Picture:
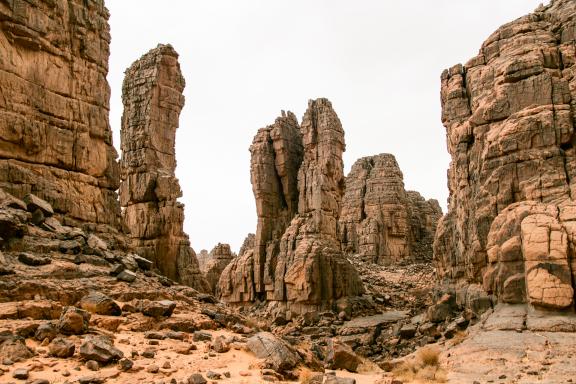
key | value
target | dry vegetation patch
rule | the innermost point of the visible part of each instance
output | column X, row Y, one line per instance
column 425, row 367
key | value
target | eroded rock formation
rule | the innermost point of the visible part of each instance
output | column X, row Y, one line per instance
column 509, row 118
column 381, row 222
column 298, row 182
column 55, row 137
column 217, row 260
column 152, row 97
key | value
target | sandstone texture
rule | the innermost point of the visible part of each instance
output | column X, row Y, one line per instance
column 509, row 118
column 380, row 221
column 55, row 137
column 152, row 97
column 298, row 182
column 218, row 259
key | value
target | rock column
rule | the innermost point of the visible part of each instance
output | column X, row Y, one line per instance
column 152, row 97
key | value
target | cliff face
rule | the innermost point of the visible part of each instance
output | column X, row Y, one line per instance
column 509, row 118
column 55, row 137
column 297, row 178
column 381, row 222
column 152, row 97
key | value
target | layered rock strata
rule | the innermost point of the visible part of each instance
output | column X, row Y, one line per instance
column 217, row 260
column 55, row 137
column 152, row 97
column 509, row 118
column 380, row 221
column 298, row 182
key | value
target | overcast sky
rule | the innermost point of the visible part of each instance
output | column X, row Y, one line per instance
column 378, row 61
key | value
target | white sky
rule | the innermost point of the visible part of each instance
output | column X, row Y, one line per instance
column 378, row 61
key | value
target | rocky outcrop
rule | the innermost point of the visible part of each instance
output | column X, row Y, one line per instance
column 218, row 259
column 55, row 136
column 152, row 97
column 381, row 222
column 248, row 244
column 298, row 182
column 509, row 118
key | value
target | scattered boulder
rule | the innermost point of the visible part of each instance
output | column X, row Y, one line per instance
column 127, row 276
column 34, row 203
column 220, row 345
column 99, row 303
column 163, row 308
column 62, row 348
column 196, row 378
column 21, row 373
column 100, row 349
column 14, row 349
column 341, row 356
column 277, row 355
column 73, row 321
column 46, row 331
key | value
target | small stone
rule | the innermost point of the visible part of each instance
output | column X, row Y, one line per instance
column 66, row 373
column 227, row 374
column 163, row 308
column 153, row 369
column 127, row 276
column 125, row 364
column 73, row 321
column 245, row 373
column 213, row 375
column 408, row 331
column 33, row 203
column 92, row 365
column 196, row 378
column 154, row 335
column 202, row 336
column 61, row 348
column 166, row 365
column 149, row 354
column 21, row 373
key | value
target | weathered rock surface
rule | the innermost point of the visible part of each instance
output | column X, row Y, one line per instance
column 509, row 118
column 297, row 179
column 217, row 261
column 152, row 97
column 247, row 244
column 276, row 353
column 55, row 137
column 380, row 221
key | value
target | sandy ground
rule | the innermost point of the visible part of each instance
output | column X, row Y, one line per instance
column 242, row 365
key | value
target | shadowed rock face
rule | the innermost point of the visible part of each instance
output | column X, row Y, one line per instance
column 509, row 120
column 297, row 179
column 381, row 222
column 55, row 137
column 152, row 97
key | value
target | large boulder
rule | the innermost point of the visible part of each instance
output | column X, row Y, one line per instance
column 73, row 321
column 277, row 355
column 99, row 303
column 100, row 349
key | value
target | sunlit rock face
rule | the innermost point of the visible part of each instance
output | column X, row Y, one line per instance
column 55, row 137
column 298, row 182
column 380, row 221
column 509, row 118
column 152, row 97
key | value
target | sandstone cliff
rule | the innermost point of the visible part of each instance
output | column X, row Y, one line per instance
column 152, row 97
column 381, row 222
column 298, row 182
column 509, row 118
column 55, row 137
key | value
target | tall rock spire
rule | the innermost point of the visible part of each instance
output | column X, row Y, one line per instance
column 298, row 183
column 149, row 192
